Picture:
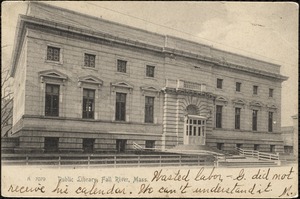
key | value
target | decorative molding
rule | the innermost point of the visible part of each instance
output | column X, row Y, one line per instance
column 121, row 85
column 52, row 74
column 271, row 107
column 90, row 79
column 222, row 99
column 149, row 89
column 240, row 102
column 256, row 104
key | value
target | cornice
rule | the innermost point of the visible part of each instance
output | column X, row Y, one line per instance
column 130, row 42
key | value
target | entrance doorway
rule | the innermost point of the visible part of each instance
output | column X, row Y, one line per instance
column 121, row 145
column 194, row 130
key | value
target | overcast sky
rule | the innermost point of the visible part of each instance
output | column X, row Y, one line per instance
column 267, row 31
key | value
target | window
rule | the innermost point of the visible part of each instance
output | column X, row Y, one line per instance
column 88, row 105
column 149, row 107
column 219, row 117
column 271, row 92
column 220, row 146
column 89, row 60
column 219, row 83
column 288, row 149
column 150, row 144
column 150, row 71
column 254, row 120
column 121, row 66
column 88, row 145
column 52, row 100
column 53, row 53
column 255, row 90
column 237, row 118
column 272, row 148
column 256, row 147
column 51, row 144
column 121, row 145
column 239, row 146
column 195, row 127
column 238, row 86
column 120, row 106
column 270, row 122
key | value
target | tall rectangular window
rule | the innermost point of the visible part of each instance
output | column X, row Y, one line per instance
column 53, row 53
column 120, row 106
column 149, row 109
column 150, row 71
column 219, row 116
column 88, row 105
column 121, row 66
column 237, row 118
column 270, row 122
column 254, row 120
column 255, row 90
column 89, row 60
column 219, row 83
column 238, row 86
column 52, row 100
column 271, row 92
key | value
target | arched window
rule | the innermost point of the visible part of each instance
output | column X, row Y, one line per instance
column 192, row 110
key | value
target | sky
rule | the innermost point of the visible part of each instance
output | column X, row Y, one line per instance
column 266, row 31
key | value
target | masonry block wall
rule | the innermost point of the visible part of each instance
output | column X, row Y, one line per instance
column 174, row 59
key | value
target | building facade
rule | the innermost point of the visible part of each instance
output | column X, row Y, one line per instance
column 86, row 84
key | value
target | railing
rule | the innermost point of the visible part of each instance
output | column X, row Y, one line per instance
column 140, row 148
column 259, row 155
column 185, row 84
column 95, row 160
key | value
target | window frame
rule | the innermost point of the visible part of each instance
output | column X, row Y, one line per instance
column 238, row 86
column 254, row 120
column 120, row 107
column 126, row 66
column 86, row 114
column 148, row 66
column 271, row 92
column 54, row 45
column 89, row 55
column 219, row 83
column 51, row 99
column 150, row 143
column 270, row 121
column 237, row 123
column 53, row 53
column 219, row 114
column 255, row 90
column 149, row 109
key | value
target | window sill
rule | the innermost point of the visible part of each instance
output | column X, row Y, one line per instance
column 90, row 68
column 88, row 119
column 54, row 62
column 117, row 121
column 152, row 78
column 51, row 117
column 121, row 73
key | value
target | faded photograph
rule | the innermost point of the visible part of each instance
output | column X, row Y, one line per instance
column 145, row 89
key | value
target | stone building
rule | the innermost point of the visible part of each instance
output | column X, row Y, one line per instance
column 87, row 84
